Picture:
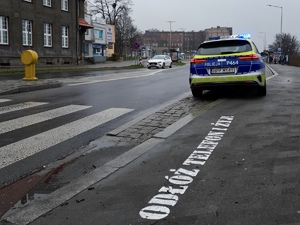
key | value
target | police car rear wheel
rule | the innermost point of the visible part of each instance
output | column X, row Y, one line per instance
column 197, row 93
column 262, row 91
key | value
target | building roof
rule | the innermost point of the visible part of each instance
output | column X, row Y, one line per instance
column 82, row 22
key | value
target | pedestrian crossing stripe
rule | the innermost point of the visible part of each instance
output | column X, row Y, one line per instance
column 39, row 117
column 4, row 100
column 16, row 107
column 17, row 151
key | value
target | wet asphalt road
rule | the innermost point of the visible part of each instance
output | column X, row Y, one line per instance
column 110, row 91
column 250, row 176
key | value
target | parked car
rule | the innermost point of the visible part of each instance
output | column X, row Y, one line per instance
column 160, row 61
column 227, row 62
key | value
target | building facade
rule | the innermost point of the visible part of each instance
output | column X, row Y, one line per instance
column 181, row 41
column 111, row 39
column 217, row 31
column 54, row 29
column 96, row 40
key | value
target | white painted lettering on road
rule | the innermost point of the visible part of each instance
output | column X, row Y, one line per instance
column 159, row 205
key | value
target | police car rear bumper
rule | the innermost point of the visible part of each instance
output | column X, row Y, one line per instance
column 215, row 82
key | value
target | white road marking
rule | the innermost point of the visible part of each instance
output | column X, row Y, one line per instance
column 16, row 107
column 4, row 100
column 14, row 152
column 113, row 79
column 39, row 117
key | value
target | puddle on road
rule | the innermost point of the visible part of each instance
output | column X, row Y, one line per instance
column 104, row 142
column 23, row 192
column 27, row 199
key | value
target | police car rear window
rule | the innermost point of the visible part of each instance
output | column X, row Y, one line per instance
column 224, row 47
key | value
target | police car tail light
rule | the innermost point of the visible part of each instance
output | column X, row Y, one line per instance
column 251, row 57
column 197, row 61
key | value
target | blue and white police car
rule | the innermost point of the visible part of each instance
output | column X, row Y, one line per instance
column 227, row 61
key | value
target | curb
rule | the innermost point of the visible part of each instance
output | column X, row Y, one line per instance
column 34, row 87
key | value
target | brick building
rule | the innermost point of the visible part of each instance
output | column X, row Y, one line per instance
column 218, row 31
column 55, row 29
column 180, row 40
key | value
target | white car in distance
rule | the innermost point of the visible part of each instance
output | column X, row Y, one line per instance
column 159, row 61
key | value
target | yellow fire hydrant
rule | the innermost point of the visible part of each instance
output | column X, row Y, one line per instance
column 29, row 59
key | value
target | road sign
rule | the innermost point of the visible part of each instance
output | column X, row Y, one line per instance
column 136, row 45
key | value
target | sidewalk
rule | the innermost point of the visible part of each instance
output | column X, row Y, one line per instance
column 9, row 84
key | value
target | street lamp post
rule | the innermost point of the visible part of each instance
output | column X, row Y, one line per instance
column 170, row 32
column 280, row 23
column 281, row 15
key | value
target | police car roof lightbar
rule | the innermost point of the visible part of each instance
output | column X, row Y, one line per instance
column 245, row 36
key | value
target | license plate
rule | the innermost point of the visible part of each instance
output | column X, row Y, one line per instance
column 223, row 70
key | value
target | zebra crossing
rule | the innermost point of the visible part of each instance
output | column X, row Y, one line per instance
column 4, row 100
column 39, row 142
column 16, row 107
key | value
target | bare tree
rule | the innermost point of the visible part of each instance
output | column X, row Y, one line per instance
column 111, row 9
column 289, row 44
column 124, row 29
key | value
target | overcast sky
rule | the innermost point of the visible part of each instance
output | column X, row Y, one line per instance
column 243, row 16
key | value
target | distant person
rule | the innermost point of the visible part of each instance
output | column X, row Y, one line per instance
column 270, row 59
column 283, row 59
column 279, row 59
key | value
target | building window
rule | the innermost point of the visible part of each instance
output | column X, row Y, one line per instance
column 64, row 5
column 65, row 36
column 27, row 32
column 47, row 35
column 47, row 3
column 98, row 34
column 3, row 30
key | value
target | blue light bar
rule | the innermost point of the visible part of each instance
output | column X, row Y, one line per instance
column 245, row 36
column 214, row 38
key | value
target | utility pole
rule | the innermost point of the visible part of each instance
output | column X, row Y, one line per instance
column 170, row 32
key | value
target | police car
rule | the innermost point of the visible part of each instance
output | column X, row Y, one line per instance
column 227, row 61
